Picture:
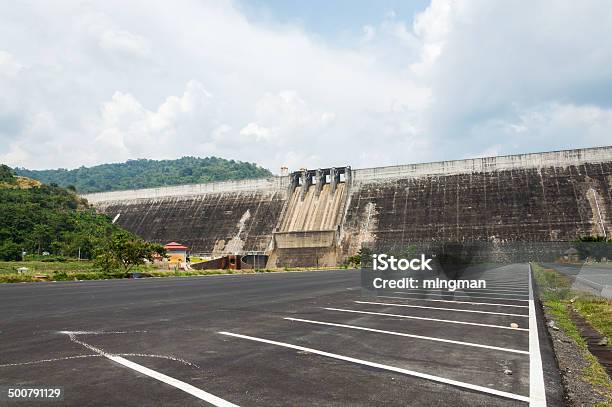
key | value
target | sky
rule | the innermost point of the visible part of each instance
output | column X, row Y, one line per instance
column 301, row 84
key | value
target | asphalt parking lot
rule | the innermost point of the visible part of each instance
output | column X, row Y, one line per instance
column 278, row 339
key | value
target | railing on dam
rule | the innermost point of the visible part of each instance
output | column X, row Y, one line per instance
column 487, row 164
column 260, row 185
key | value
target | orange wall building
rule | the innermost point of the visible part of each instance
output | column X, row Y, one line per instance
column 176, row 252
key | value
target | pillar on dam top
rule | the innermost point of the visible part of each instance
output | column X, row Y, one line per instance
column 305, row 183
column 347, row 176
column 293, row 183
column 320, row 177
column 334, row 178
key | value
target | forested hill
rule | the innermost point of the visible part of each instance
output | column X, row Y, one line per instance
column 141, row 173
column 40, row 218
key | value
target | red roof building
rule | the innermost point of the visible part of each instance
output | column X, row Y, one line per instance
column 176, row 252
column 174, row 246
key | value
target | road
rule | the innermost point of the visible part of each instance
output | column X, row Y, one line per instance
column 275, row 339
column 596, row 279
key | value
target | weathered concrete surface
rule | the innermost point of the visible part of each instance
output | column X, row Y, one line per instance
column 212, row 223
column 308, row 227
column 542, row 197
column 316, row 211
column 518, row 205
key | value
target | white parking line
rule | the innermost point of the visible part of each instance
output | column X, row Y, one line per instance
column 186, row 387
column 483, row 291
column 500, row 290
column 461, row 296
column 507, row 287
column 479, row 290
column 506, row 283
column 441, row 309
column 519, row 284
column 385, row 367
column 504, row 289
column 429, row 338
column 425, row 319
column 456, row 302
column 537, row 392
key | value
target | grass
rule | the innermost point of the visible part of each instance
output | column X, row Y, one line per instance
column 559, row 299
column 598, row 312
column 46, row 267
column 86, row 270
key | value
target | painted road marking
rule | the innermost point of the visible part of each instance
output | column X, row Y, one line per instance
column 186, row 387
column 462, row 296
column 442, row 309
column 483, row 290
column 385, row 367
column 425, row 319
column 463, row 291
column 499, row 284
column 505, row 289
column 429, row 338
column 456, row 302
column 537, row 392
column 501, row 291
column 590, row 281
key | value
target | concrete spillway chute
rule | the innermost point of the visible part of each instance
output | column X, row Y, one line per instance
column 310, row 221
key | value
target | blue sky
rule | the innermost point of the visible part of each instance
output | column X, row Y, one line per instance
column 334, row 20
column 303, row 84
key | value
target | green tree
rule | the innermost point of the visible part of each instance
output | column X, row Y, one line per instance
column 594, row 247
column 10, row 251
column 147, row 173
column 125, row 251
column 42, row 235
column 53, row 219
column 6, row 174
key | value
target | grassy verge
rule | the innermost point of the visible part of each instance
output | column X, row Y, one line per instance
column 559, row 299
column 598, row 312
column 85, row 270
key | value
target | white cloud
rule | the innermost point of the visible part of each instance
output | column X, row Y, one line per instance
column 128, row 128
column 92, row 82
column 369, row 32
column 260, row 133
column 568, row 124
column 9, row 66
column 125, row 41
column 432, row 27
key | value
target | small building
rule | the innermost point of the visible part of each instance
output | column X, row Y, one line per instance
column 176, row 252
column 571, row 255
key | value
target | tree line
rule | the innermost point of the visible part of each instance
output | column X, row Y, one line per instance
column 144, row 173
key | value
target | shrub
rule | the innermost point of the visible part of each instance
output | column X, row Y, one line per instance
column 10, row 251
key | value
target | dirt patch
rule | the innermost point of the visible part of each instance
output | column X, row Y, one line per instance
column 594, row 339
column 572, row 362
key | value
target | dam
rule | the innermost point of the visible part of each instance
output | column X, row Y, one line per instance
column 319, row 217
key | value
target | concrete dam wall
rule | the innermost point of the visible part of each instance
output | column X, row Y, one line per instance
column 212, row 219
column 319, row 217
